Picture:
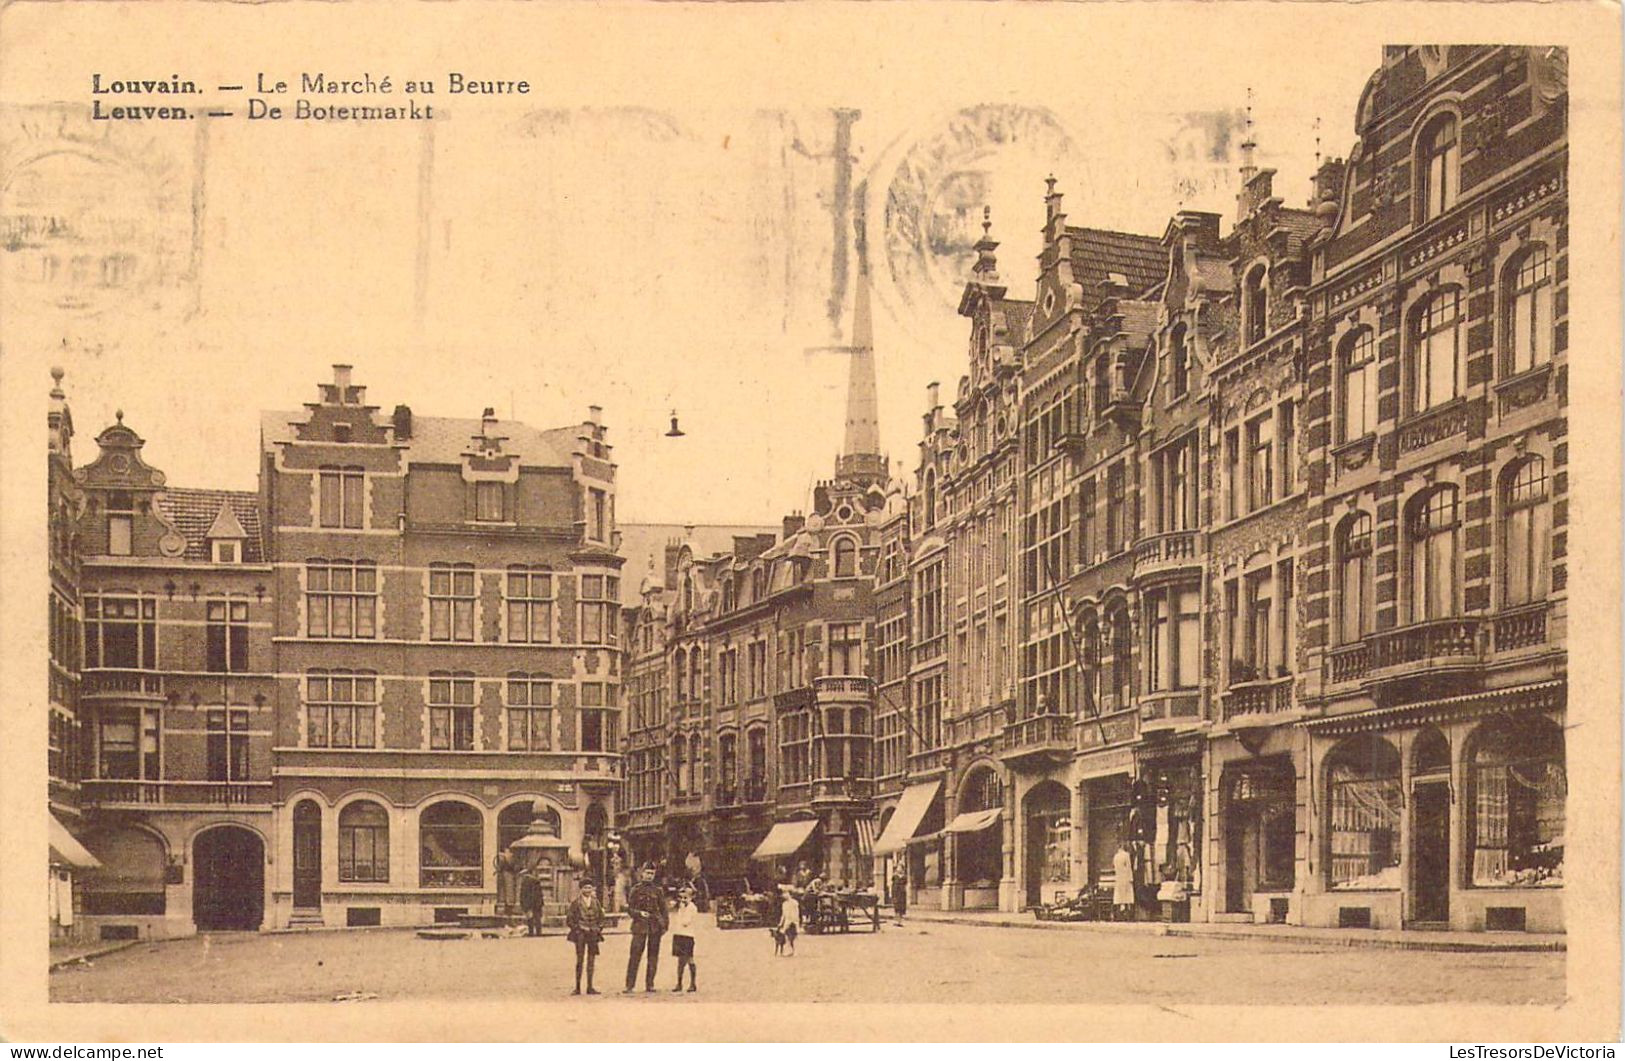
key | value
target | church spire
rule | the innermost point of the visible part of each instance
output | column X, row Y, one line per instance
column 860, row 455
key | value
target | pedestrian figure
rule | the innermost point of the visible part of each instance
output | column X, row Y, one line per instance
column 1122, row 883
column 530, row 901
column 683, row 919
column 585, row 919
column 899, row 890
column 790, row 920
column 647, row 905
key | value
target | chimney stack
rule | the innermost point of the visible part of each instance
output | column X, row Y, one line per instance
column 595, row 414
column 341, row 380
column 793, row 524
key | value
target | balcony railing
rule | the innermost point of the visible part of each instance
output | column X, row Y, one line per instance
column 1271, row 697
column 1170, row 707
column 984, row 722
column 176, row 793
column 1164, row 551
column 96, row 683
column 1521, row 627
column 1437, row 639
column 755, row 790
column 726, row 796
column 843, row 788
column 1350, row 662
column 1050, row 732
column 843, row 687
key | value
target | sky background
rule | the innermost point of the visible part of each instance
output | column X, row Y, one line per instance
column 656, row 227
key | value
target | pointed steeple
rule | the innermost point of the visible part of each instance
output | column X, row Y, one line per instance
column 860, row 458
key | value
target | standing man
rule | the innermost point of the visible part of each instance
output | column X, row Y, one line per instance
column 899, row 889
column 530, row 901
column 647, row 905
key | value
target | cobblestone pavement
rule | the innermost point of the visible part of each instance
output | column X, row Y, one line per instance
column 913, row 963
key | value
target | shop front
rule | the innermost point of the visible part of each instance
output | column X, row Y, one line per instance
column 913, row 834
column 976, row 838
column 1257, row 843
column 1165, row 828
column 1047, row 842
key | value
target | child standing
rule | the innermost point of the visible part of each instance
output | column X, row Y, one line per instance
column 682, row 937
column 585, row 919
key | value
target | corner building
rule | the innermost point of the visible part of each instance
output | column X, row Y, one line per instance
column 447, row 655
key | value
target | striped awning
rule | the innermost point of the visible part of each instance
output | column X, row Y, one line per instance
column 785, row 838
column 865, row 828
column 905, row 820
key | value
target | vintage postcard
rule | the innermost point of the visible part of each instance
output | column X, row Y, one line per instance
column 1046, row 521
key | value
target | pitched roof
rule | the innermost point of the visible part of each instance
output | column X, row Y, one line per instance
column 444, row 439
column 644, row 546
column 194, row 512
column 1096, row 252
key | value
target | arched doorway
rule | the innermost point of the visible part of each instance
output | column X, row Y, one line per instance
column 1430, row 828
column 1047, row 824
column 1260, row 830
column 979, row 838
column 307, row 856
column 228, row 880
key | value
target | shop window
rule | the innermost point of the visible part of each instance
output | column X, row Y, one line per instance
column 1526, row 532
column 1520, row 787
column 1363, row 806
column 451, row 846
column 363, row 843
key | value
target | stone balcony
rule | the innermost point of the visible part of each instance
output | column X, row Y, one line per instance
column 842, row 789
column 844, row 689
column 1163, row 553
column 1255, row 699
column 121, row 685
column 1431, row 646
column 1170, row 710
column 1045, row 737
column 110, row 793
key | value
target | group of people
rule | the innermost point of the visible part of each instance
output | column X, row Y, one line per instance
column 652, row 919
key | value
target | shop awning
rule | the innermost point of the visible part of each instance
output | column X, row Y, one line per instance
column 64, row 848
column 974, row 821
column 865, row 828
column 905, row 820
column 785, row 838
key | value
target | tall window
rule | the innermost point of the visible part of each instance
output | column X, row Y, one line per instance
column 680, row 674
column 128, row 745
column 1432, row 370
column 599, row 527
column 1364, row 801
column 341, row 598
column 1103, row 383
column 451, row 846
column 530, row 605
column 756, row 768
column 597, row 719
column 679, row 764
column 1286, row 439
column 846, row 558
column 928, row 712
column 1179, row 364
column 341, row 502
column 120, row 524
column 530, row 713
column 1116, row 510
column 451, row 602
column 341, row 708
column 1256, row 306
column 1439, row 167
column 1434, row 524
column 1088, row 526
column 1090, row 692
column 600, row 612
column 451, row 712
column 1526, row 528
column 227, row 745
column 363, row 843
column 728, row 766
column 1260, row 462
column 1122, row 634
column 1173, row 621
column 1527, row 298
column 1520, row 787
column 1357, row 368
column 121, row 632
column 1176, row 467
column 488, row 502
column 1354, row 583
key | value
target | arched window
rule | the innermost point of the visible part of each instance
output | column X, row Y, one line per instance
column 1526, row 295
column 1526, row 532
column 1091, row 663
column 451, row 846
column 930, row 498
column 1438, row 167
column 695, row 688
column 696, row 765
column 728, row 765
column 1354, row 582
column 756, row 765
column 1357, row 372
column 680, row 673
column 363, row 842
column 1255, row 307
column 1519, row 786
column 1433, row 362
column 1363, row 803
column 1435, row 524
column 846, row 558
column 1122, row 657
column 1179, row 363
column 688, row 593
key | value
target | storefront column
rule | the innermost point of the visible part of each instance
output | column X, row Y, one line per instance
column 953, row 893
column 1080, row 835
column 1008, row 885
column 1407, row 865
column 1460, row 821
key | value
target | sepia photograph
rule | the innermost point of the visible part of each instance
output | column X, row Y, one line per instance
column 530, row 505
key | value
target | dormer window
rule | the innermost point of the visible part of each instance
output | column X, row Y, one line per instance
column 120, row 524
column 1438, row 167
column 488, row 507
column 226, row 553
column 1255, row 306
